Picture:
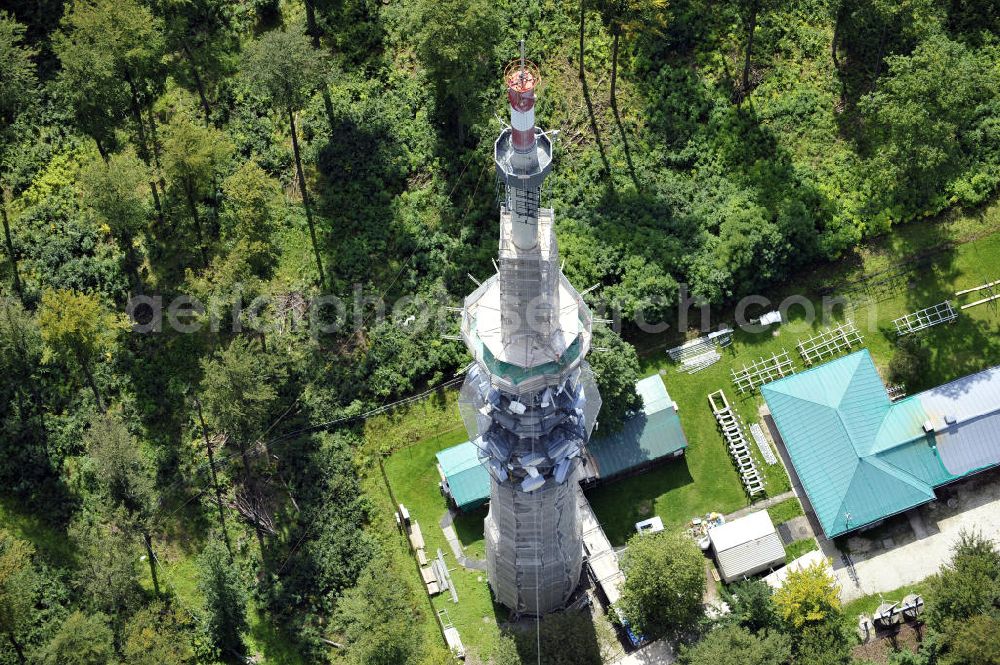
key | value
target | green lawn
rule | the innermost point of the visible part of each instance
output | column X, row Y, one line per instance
column 800, row 547
column 413, row 476
column 787, row 510
column 705, row 480
column 868, row 604
column 49, row 542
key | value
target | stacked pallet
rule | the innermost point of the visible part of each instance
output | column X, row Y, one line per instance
column 762, row 445
column 731, row 427
column 700, row 361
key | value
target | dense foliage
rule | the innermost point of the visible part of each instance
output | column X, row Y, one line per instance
column 283, row 197
column 664, row 584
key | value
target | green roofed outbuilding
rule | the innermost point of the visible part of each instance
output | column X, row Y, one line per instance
column 645, row 438
column 463, row 476
column 653, row 434
column 861, row 457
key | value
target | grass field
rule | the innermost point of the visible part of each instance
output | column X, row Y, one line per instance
column 868, row 604
column 800, row 547
column 48, row 542
column 413, row 476
column 937, row 263
column 787, row 510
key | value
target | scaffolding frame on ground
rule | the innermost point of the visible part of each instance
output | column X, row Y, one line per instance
column 702, row 352
column 731, row 426
column 700, row 361
column 762, row 371
column 830, row 342
column 762, row 445
column 989, row 287
column 925, row 318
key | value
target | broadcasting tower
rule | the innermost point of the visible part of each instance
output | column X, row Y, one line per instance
column 529, row 400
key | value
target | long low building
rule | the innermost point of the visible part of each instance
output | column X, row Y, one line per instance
column 646, row 438
column 861, row 457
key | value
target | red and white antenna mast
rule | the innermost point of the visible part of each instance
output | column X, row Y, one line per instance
column 522, row 79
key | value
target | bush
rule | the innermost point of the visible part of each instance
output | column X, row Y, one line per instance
column 733, row 645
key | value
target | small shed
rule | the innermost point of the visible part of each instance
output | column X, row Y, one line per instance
column 747, row 546
column 464, row 479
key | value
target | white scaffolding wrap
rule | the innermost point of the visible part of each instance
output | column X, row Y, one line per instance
column 530, row 401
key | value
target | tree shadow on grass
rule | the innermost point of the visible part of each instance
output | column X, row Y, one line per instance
column 359, row 178
column 590, row 104
column 625, row 145
column 620, row 503
column 561, row 638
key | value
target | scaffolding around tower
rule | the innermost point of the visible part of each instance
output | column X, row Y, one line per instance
column 530, row 401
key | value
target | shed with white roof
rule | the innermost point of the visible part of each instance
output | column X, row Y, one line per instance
column 747, row 546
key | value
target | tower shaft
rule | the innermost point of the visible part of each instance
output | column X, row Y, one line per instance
column 529, row 402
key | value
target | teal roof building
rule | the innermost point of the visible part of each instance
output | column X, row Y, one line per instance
column 861, row 457
column 651, row 435
column 464, row 478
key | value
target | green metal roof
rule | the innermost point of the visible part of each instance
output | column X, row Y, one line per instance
column 649, row 435
column 468, row 479
column 860, row 456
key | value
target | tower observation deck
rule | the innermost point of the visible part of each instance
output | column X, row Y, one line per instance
column 529, row 401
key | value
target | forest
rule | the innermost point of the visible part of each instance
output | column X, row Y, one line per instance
column 231, row 229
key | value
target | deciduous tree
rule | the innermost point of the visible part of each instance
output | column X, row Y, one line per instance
column 967, row 585
column 928, row 123
column 664, row 583
column 17, row 88
column 158, row 635
column 192, row 156
column 81, row 640
column 616, row 368
column 456, row 41
column 78, row 329
column 16, row 590
column 751, row 605
column 809, row 596
column 102, row 44
column 733, row 645
column 112, row 190
column 251, row 205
